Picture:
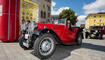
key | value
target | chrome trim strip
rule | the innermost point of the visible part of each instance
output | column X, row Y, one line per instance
column 15, row 17
column 9, row 20
column 20, row 14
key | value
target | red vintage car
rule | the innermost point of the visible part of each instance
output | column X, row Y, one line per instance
column 47, row 35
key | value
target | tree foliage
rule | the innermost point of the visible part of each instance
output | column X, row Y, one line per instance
column 69, row 15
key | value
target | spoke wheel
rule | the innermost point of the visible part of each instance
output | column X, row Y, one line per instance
column 44, row 46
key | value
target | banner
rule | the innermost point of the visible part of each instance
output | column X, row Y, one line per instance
column 0, row 10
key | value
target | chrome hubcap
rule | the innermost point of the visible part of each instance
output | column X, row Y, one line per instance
column 46, row 46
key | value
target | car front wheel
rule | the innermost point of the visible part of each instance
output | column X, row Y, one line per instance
column 44, row 46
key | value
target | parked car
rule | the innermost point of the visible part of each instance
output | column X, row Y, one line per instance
column 45, row 37
column 96, row 32
column 103, row 30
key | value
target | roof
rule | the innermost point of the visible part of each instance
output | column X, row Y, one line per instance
column 101, row 13
column 95, row 14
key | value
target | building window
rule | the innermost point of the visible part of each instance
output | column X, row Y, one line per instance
column 100, row 20
column 27, row 17
column 100, row 16
column 23, row 13
column 48, row 15
column 94, row 16
column 44, row 14
column 95, row 20
column 49, row 8
column 43, row 6
column 48, row 1
column 41, row 14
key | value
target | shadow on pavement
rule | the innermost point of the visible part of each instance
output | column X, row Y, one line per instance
column 65, row 51
column 61, row 52
column 93, row 47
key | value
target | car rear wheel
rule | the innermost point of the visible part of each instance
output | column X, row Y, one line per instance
column 79, row 39
column 44, row 46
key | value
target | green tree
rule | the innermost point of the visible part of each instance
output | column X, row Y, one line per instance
column 69, row 15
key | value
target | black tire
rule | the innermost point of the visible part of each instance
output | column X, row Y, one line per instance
column 100, row 36
column 38, row 46
column 21, row 40
column 79, row 39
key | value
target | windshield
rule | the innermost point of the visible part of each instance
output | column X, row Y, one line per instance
column 60, row 21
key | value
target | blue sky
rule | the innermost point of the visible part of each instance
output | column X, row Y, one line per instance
column 81, row 7
column 76, row 5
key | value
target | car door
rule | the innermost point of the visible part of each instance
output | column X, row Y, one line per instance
column 59, row 29
column 69, row 35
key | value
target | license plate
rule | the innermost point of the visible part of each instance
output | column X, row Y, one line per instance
column 26, row 36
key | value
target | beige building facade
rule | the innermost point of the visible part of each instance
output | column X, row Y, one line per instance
column 44, row 9
column 97, row 19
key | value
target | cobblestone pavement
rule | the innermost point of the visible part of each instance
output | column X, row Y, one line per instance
column 91, row 49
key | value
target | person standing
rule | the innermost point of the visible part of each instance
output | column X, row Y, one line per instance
column 69, row 25
column 22, row 26
column 84, row 30
column 28, row 24
column 86, row 33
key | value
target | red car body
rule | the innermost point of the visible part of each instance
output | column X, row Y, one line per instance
column 45, row 36
column 103, row 31
column 61, row 30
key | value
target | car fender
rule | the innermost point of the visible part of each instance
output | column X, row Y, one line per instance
column 42, row 31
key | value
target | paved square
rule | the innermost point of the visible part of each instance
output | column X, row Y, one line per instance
column 91, row 49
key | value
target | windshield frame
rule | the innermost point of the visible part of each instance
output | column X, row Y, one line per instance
column 60, row 21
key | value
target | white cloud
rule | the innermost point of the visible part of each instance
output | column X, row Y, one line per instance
column 81, row 20
column 95, row 7
column 81, row 17
column 53, row 3
column 54, row 12
column 57, row 12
